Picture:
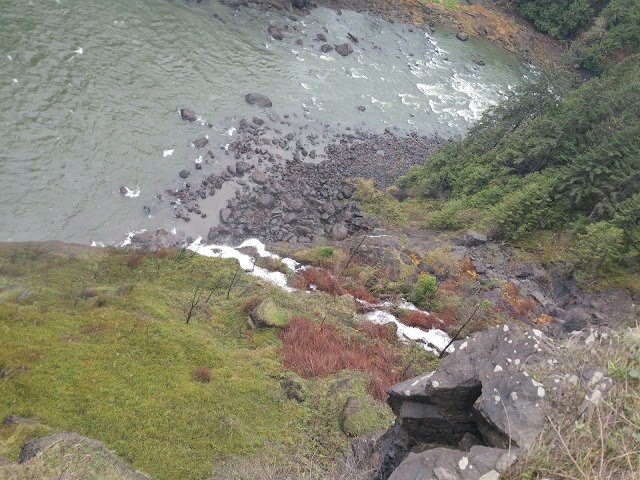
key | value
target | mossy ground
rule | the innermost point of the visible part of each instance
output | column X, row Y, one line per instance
column 96, row 341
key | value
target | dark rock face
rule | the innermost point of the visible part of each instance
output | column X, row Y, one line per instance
column 344, row 49
column 38, row 446
column 300, row 3
column 258, row 100
column 443, row 463
column 200, row 142
column 188, row 115
column 275, row 32
column 326, row 48
column 463, row 37
column 473, row 239
column 157, row 240
column 480, row 394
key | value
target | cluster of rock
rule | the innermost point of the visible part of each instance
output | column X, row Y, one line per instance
column 471, row 417
column 296, row 202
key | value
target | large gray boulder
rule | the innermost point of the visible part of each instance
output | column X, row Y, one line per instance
column 258, row 100
column 445, row 464
column 481, row 391
column 344, row 49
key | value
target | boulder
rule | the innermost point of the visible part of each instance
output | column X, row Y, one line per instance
column 480, row 389
column 258, row 121
column 269, row 313
column 300, row 3
column 344, row 49
column 326, row 48
column 265, row 200
column 225, row 215
column 473, row 239
column 258, row 100
column 275, row 32
column 184, row 173
column 339, row 231
column 242, row 167
column 445, row 464
column 68, row 444
column 462, row 36
column 200, row 142
column 321, row 37
column 188, row 115
column 258, row 177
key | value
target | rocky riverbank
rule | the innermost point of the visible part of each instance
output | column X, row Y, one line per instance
column 288, row 181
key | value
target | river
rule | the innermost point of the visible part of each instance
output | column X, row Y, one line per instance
column 90, row 93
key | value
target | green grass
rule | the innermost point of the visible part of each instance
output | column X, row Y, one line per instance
column 100, row 346
column 122, row 373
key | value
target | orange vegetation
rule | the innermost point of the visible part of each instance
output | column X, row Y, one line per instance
column 313, row 351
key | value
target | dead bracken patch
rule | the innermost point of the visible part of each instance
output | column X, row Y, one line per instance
column 314, row 351
column 321, row 279
column 202, row 374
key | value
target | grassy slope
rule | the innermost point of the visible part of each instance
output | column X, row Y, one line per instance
column 122, row 372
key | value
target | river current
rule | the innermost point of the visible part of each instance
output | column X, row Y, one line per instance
column 90, row 93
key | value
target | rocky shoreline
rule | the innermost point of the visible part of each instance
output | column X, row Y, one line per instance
column 290, row 183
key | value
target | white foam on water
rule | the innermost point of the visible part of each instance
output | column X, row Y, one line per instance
column 429, row 339
column 246, row 262
column 174, row 231
column 79, row 51
column 15, row 80
column 97, row 244
column 327, row 58
column 231, row 131
column 199, row 159
column 132, row 193
column 9, row 57
column 306, row 86
column 127, row 241
column 167, row 153
column 356, row 74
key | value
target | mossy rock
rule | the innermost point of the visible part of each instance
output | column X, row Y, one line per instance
column 269, row 313
column 362, row 415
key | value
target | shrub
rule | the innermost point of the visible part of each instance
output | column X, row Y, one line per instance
column 202, row 374
column 442, row 262
column 376, row 331
column 415, row 318
column 312, row 351
column 424, row 290
column 320, row 278
column 361, row 293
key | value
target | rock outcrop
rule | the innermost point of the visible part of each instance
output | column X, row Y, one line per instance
column 480, row 400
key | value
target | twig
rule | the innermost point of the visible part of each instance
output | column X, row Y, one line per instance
column 354, row 251
column 566, row 448
column 444, row 350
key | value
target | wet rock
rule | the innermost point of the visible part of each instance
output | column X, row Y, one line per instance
column 479, row 61
column 321, row 37
column 258, row 100
column 184, row 173
column 258, row 121
column 123, row 190
column 200, row 142
column 265, row 200
column 462, row 36
column 361, row 108
column 225, row 215
column 188, row 115
column 156, row 240
column 339, row 231
column 242, row 167
column 258, row 177
column 344, row 49
column 352, row 37
column 300, row 3
column 275, row 32
column 473, row 239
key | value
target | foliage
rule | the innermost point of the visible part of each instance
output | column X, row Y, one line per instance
column 379, row 205
column 542, row 161
column 313, row 351
column 598, row 247
column 424, row 290
column 601, row 28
